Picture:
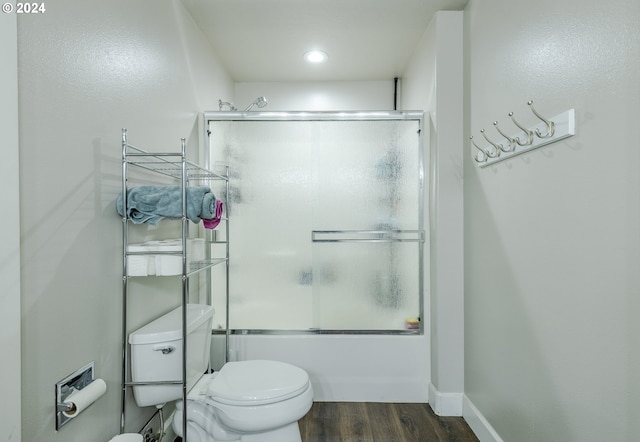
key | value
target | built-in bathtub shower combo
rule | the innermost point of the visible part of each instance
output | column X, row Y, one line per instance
column 297, row 222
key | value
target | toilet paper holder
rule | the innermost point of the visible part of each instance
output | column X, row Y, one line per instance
column 65, row 406
column 76, row 381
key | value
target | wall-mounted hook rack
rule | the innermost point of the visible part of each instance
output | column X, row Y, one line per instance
column 547, row 131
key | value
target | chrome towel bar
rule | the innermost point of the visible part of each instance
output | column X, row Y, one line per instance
column 367, row 235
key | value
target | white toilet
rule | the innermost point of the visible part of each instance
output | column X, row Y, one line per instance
column 247, row 401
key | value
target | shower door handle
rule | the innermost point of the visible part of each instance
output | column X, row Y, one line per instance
column 367, row 236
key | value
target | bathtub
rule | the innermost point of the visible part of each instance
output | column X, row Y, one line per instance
column 343, row 368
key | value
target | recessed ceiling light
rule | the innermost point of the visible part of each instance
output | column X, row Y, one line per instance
column 315, row 57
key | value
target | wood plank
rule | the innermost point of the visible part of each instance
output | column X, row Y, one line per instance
column 380, row 422
column 384, row 421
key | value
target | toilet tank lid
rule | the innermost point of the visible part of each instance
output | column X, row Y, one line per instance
column 169, row 326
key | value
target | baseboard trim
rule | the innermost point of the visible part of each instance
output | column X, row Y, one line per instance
column 478, row 423
column 445, row 404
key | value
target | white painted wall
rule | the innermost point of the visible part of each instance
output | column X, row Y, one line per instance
column 10, row 411
column 418, row 83
column 317, row 96
column 86, row 70
column 552, row 238
column 433, row 82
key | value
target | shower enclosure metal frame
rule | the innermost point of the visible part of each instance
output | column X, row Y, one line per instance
column 417, row 235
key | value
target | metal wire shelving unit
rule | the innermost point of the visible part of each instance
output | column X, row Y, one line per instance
column 176, row 166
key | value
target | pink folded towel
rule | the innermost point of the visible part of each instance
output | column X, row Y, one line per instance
column 212, row 223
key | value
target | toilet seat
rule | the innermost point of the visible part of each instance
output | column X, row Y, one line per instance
column 253, row 400
column 257, row 382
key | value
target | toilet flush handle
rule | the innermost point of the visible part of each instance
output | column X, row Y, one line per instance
column 165, row 349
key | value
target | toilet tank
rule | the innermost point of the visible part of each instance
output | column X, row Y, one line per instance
column 156, row 354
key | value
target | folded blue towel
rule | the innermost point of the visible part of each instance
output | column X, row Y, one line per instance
column 150, row 204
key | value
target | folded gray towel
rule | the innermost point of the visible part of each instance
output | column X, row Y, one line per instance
column 150, row 204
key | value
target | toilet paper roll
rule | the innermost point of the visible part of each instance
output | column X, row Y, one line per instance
column 81, row 399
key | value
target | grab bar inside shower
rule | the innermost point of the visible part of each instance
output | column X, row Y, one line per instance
column 367, row 236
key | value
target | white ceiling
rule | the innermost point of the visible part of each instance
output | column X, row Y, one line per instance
column 264, row 40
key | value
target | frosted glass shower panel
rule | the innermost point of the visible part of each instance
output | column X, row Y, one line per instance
column 367, row 175
column 365, row 286
column 289, row 179
column 366, row 197
column 270, row 215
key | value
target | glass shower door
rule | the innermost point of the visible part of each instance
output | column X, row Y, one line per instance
column 367, row 232
column 326, row 222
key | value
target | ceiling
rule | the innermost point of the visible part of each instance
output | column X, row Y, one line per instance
column 265, row 40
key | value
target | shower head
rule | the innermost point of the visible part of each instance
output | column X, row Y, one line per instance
column 260, row 102
column 222, row 104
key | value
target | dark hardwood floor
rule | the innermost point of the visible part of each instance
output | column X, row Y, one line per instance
column 377, row 422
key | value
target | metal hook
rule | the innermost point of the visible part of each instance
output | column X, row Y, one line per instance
column 550, row 124
column 527, row 132
column 492, row 152
column 497, row 147
column 512, row 141
column 477, row 157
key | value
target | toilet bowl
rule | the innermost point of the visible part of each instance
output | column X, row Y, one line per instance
column 247, row 401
